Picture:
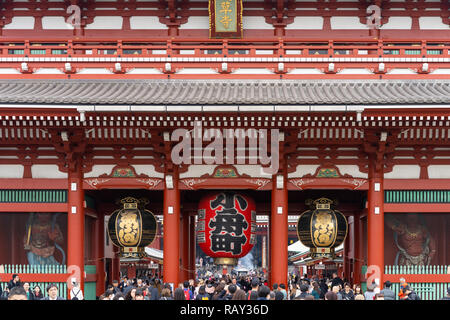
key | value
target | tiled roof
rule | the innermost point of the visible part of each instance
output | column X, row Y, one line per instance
column 223, row 92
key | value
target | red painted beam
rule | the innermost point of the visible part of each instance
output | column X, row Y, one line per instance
column 33, row 184
column 416, row 184
column 411, row 278
column 38, row 277
column 33, row 207
column 417, row 207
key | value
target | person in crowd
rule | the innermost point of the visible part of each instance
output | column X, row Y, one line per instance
column 447, row 297
column 17, row 293
column 410, row 294
column 14, row 282
column 26, row 287
column 139, row 295
column 337, row 290
column 153, row 290
column 5, row 293
column 347, row 293
column 76, row 293
column 370, row 294
column 116, row 287
column 323, row 288
column 37, row 293
column 387, row 292
column 358, row 293
column 109, row 294
column 52, row 293
column 179, row 294
column 202, row 295
column 219, row 292
column 283, row 290
column 279, row 295
column 131, row 294
column 253, row 293
column 304, row 291
column 275, row 287
column 231, row 290
column 123, row 284
column 264, row 293
column 119, row 296
column 166, row 294
column 337, row 281
column 316, row 290
column 188, row 294
column 331, row 295
column 403, row 284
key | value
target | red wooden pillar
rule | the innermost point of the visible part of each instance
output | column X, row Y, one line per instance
column 347, row 250
column 279, row 231
column 375, row 224
column 184, row 248
column 192, row 247
column 357, row 248
column 171, row 237
column 75, row 224
column 100, row 252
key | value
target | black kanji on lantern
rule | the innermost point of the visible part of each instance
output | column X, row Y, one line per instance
column 228, row 224
column 227, row 242
column 226, row 200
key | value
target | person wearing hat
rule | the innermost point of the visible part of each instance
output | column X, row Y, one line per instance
column 387, row 292
column 447, row 297
column 403, row 284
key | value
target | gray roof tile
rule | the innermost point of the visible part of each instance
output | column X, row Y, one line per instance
column 209, row 92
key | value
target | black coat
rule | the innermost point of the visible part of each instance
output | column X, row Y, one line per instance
column 336, row 282
column 154, row 293
column 413, row 296
column 347, row 296
column 38, row 297
column 12, row 284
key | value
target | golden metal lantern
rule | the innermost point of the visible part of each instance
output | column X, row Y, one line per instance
column 132, row 227
column 322, row 228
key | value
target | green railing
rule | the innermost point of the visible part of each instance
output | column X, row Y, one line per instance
column 27, row 268
column 48, row 271
column 33, row 196
column 426, row 291
column 417, row 196
column 434, row 269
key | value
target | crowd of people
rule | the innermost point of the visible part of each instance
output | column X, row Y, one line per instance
column 225, row 287
column 255, row 287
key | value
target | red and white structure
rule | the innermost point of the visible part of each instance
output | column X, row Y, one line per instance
column 364, row 114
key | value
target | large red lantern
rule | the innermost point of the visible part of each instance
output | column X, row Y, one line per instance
column 226, row 227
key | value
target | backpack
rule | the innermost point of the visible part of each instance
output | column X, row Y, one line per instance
column 186, row 294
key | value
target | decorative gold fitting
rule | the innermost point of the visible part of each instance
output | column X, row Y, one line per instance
column 226, row 261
